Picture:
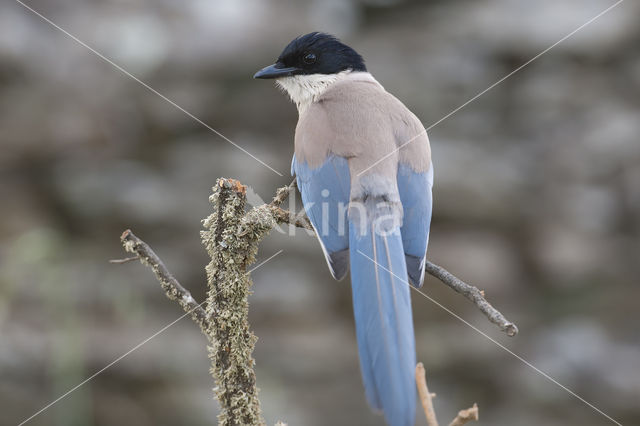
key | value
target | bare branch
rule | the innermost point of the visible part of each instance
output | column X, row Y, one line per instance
column 170, row 285
column 125, row 260
column 473, row 294
column 425, row 396
column 465, row 416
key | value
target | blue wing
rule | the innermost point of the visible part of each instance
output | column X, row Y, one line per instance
column 325, row 196
column 416, row 198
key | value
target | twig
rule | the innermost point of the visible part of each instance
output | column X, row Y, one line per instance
column 170, row 285
column 465, row 416
column 425, row 396
column 473, row 294
column 285, row 216
column 283, row 193
column 125, row 260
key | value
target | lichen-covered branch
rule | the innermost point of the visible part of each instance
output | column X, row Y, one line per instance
column 283, row 193
column 426, row 398
column 285, row 216
column 231, row 237
column 170, row 285
column 473, row 294
column 232, row 243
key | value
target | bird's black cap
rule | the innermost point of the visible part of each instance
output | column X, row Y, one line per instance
column 314, row 53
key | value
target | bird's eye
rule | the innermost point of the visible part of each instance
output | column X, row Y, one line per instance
column 309, row 58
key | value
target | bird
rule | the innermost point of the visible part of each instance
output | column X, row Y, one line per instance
column 362, row 162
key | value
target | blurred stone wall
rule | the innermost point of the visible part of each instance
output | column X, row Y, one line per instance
column 536, row 201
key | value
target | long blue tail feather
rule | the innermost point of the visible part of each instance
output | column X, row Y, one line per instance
column 384, row 324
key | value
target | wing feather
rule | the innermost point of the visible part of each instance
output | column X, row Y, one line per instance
column 417, row 200
column 325, row 196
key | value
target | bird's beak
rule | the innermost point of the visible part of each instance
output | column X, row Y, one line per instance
column 273, row 71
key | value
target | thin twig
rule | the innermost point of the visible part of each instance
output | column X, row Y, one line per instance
column 285, row 216
column 125, row 260
column 170, row 285
column 425, row 396
column 283, row 193
column 465, row 416
column 473, row 294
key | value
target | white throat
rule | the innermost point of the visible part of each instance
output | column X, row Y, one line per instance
column 305, row 89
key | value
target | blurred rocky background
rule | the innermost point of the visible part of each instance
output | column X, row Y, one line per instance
column 537, row 201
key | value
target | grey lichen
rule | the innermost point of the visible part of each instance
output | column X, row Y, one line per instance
column 231, row 239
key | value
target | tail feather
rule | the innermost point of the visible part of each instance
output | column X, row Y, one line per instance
column 384, row 325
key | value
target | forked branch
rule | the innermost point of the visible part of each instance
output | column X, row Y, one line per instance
column 426, row 398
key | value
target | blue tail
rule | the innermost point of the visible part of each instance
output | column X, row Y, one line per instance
column 384, row 325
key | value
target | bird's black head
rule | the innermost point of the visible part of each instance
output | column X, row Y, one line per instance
column 314, row 53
